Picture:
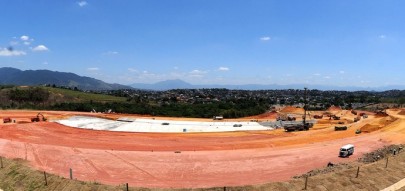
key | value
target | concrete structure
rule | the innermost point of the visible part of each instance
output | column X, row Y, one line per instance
column 165, row 126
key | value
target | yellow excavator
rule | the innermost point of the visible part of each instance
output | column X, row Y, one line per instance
column 38, row 118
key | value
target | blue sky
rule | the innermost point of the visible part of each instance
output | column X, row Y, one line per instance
column 358, row 43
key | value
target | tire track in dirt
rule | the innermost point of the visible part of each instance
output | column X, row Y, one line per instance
column 89, row 164
column 35, row 154
column 135, row 166
column 25, row 146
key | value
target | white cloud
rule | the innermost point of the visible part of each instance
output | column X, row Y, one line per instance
column 24, row 37
column 132, row 70
column 40, row 48
column 265, row 38
column 45, row 63
column 198, row 72
column 111, row 53
column 10, row 52
column 93, row 69
column 317, row 74
column 82, row 3
column 341, row 72
column 327, row 77
column 382, row 36
column 26, row 40
column 13, row 43
column 223, row 68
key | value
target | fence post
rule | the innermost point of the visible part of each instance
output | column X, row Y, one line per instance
column 386, row 163
column 1, row 161
column 71, row 173
column 358, row 170
column 306, row 182
column 224, row 188
column 126, row 185
column 46, row 181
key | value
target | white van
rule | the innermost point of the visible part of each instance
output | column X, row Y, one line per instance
column 346, row 150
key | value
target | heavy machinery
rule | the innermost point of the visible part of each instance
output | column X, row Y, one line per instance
column 7, row 120
column 340, row 128
column 300, row 126
column 334, row 117
column 38, row 118
column 318, row 116
column 286, row 117
column 297, row 126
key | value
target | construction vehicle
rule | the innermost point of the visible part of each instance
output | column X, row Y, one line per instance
column 357, row 119
column 300, row 126
column 318, row 116
column 218, row 117
column 297, row 126
column 7, row 120
column 340, row 128
column 38, row 118
column 287, row 117
column 334, row 117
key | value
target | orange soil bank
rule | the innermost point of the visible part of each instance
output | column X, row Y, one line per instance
column 202, row 160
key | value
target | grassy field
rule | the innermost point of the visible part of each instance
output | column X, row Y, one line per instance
column 16, row 175
column 82, row 96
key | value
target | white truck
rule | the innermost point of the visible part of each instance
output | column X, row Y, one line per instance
column 346, row 150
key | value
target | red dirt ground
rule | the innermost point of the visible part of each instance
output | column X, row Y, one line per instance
column 291, row 109
column 264, row 116
column 205, row 159
column 334, row 109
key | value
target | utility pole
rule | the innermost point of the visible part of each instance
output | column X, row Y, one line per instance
column 305, row 105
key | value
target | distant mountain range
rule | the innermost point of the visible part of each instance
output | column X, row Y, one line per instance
column 179, row 84
column 15, row 76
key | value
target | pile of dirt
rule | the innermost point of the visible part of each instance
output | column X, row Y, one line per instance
column 329, row 168
column 267, row 115
column 334, row 109
column 291, row 109
column 367, row 128
column 381, row 114
column 381, row 153
column 402, row 112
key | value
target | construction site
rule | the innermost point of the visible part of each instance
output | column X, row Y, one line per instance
column 165, row 152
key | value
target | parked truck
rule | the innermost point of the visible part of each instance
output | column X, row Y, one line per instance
column 7, row 120
column 297, row 126
column 340, row 128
